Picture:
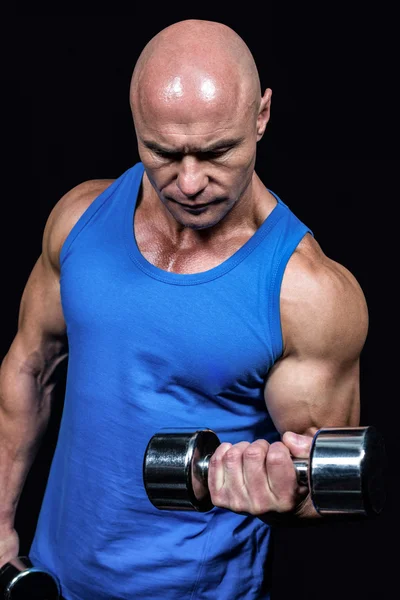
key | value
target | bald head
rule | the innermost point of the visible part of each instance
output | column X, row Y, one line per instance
column 195, row 66
column 198, row 114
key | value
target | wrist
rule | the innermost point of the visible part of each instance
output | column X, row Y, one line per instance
column 306, row 510
column 6, row 527
column 303, row 514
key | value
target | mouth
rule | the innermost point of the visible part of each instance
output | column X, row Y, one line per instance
column 197, row 207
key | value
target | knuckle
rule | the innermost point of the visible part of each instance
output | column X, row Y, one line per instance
column 279, row 447
column 262, row 443
column 233, row 455
column 277, row 454
column 255, row 452
column 219, row 453
column 223, row 447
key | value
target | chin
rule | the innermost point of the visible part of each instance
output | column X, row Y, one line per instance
column 199, row 222
column 198, row 226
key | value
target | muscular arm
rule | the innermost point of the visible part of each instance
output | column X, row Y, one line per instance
column 28, row 372
column 315, row 384
column 317, row 381
column 324, row 325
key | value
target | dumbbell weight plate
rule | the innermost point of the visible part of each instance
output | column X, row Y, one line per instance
column 346, row 471
column 20, row 580
column 173, row 472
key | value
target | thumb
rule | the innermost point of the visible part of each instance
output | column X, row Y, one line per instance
column 299, row 445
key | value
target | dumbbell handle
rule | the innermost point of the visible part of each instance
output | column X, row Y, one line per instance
column 301, row 466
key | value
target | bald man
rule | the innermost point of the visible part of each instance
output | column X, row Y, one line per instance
column 184, row 293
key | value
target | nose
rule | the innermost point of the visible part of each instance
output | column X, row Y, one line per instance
column 192, row 178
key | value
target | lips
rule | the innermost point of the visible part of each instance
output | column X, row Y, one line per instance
column 202, row 205
column 196, row 205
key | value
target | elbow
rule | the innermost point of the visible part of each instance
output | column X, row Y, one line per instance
column 28, row 378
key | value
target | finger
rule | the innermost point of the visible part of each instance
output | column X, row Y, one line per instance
column 226, row 484
column 282, row 478
column 255, row 476
column 216, row 476
column 299, row 445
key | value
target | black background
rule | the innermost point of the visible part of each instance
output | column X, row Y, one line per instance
column 330, row 152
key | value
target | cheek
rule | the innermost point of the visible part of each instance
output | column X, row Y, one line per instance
column 243, row 161
column 242, row 178
column 158, row 175
column 242, row 171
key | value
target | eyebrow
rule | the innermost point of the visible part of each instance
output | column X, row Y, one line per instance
column 227, row 143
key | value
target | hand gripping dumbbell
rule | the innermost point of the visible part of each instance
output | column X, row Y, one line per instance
column 344, row 471
column 20, row 580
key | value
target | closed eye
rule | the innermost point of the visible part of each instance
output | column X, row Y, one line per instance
column 214, row 153
column 168, row 155
column 207, row 154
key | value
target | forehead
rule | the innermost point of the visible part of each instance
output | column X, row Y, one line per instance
column 196, row 108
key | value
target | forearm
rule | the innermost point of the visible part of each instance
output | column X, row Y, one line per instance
column 24, row 415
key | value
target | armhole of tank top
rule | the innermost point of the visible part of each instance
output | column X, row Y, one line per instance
column 276, row 283
column 86, row 216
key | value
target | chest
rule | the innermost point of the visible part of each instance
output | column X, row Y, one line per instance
column 182, row 256
column 213, row 338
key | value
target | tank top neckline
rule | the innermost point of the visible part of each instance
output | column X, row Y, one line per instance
column 189, row 278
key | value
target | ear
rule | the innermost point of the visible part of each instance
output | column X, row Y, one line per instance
column 264, row 113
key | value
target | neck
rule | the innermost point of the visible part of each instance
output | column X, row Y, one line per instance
column 242, row 220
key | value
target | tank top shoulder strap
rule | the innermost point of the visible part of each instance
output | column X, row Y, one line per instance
column 123, row 180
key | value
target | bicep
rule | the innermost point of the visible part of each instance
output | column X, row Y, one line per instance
column 303, row 394
column 324, row 316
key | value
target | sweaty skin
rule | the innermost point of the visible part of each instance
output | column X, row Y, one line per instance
column 199, row 112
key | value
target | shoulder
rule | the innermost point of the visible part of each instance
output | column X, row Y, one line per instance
column 66, row 213
column 323, row 307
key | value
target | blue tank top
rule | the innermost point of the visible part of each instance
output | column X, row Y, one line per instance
column 150, row 349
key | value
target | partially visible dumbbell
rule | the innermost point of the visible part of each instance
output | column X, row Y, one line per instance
column 344, row 471
column 20, row 580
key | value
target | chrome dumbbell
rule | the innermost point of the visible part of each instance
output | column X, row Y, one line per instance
column 20, row 580
column 344, row 472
